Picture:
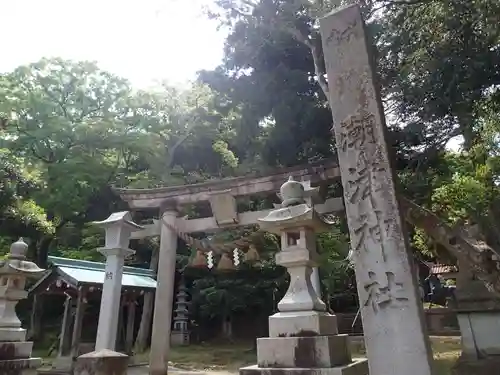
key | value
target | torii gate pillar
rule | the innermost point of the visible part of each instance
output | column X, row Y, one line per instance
column 162, row 318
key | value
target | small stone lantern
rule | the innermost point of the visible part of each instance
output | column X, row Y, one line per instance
column 15, row 352
column 180, row 333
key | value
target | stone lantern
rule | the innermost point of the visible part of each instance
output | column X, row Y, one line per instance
column 15, row 352
column 303, row 335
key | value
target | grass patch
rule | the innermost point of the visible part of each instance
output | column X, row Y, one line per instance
column 210, row 357
column 446, row 351
column 230, row 357
column 429, row 306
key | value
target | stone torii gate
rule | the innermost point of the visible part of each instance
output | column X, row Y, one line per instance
column 221, row 195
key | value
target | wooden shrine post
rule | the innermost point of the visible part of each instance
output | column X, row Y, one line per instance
column 77, row 325
column 129, row 333
column 394, row 330
column 64, row 340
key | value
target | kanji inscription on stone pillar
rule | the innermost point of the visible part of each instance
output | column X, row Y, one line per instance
column 394, row 329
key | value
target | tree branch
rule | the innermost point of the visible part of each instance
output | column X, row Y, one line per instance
column 316, row 54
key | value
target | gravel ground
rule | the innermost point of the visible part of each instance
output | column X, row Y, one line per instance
column 176, row 371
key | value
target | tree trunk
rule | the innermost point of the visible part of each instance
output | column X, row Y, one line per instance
column 460, row 241
column 142, row 340
column 42, row 252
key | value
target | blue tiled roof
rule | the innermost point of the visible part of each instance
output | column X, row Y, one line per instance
column 84, row 272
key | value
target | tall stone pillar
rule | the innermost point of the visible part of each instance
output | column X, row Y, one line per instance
column 394, row 330
column 118, row 227
column 15, row 351
column 162, row 318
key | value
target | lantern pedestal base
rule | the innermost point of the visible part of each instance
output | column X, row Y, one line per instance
column 12, row 334
column 21, row 366
column 302, row 343
column 15, row 358
column 303, row 352
column 179, row 338
column 103, row 362
column 357, row 367
column 302, row 323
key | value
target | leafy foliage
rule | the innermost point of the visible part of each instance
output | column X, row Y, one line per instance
column 69, row 131
column 19, row 215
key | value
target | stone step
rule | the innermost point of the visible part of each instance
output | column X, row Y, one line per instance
column 10, row 366
column 302, row 323
column 357, row 367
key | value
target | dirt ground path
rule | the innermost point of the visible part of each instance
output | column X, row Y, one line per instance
column 176, row 371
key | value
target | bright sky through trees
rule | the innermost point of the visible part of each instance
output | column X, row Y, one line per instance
column 144, row 41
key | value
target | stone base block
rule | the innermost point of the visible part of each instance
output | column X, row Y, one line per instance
column 15, row 350
column 357, row 343
column 307, row 323
column 54, row 372
column 13, row 334
column 25, row 366
column 179, row 338
column 103, row 362
column 487, row 366
column 357, row 367
column 303, row 352
column 480, row 333
column 62, row 363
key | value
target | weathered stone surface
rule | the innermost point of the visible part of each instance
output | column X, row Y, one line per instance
column 302, row 323
column 304, row 337
column 12, row 334
column 178, row 338
column 160, row 339
column 209, row 224
column 103, row 362
column 357, row 367
column 303, row 352
column 239, row 186
column 26, row 366
column 485, row 366
column 394, row 329
column 296, row 225
column 224, row 208
column 118, row 226
column 478, row 314
column 15, row 350
column 180, row 334
column 480, row 334
column 62, row 363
